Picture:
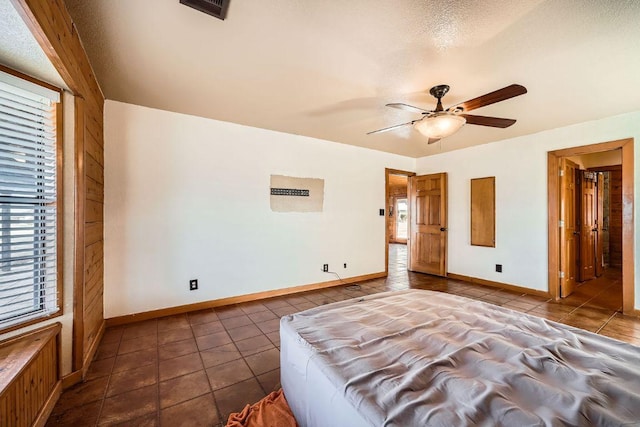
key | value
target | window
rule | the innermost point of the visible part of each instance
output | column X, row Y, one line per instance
column 401, row 219
column 28, row 201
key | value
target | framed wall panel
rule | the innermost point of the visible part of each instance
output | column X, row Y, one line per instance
column 483, row 212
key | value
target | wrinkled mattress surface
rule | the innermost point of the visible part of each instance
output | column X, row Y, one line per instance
column 423, row 358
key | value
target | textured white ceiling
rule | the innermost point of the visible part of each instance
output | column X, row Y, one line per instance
column 325, row 69
column 20, row 50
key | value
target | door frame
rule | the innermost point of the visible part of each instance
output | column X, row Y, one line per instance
column 387, row 172
column 628, row 235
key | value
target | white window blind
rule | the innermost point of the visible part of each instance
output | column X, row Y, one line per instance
column 28, row 208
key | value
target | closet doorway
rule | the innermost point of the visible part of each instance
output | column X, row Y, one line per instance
column 590, row 229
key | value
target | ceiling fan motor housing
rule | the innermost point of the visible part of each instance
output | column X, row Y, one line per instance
column 439, row 91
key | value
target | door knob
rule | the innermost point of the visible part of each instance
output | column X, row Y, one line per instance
column 575, row 233
column 443, row 229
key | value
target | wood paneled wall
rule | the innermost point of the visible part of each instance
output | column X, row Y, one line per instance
column 89, row 216
column 398, row 185
column 52, row 26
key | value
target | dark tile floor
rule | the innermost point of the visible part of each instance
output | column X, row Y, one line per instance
column 197, row 368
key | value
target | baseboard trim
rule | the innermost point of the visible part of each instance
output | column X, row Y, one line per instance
column 43, row 415
column 170, row 311
column 71, row 379
column 500, row 285
column 86, row 363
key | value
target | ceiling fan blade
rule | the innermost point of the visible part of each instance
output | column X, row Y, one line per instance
column 433, row 140
column 407, row 107
column 495, row 122
column 391, row 127
column 491, row 98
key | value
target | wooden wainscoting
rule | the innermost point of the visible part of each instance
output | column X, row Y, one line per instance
column 30, row 383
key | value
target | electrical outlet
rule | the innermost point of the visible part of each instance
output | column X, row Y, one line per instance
column 345, row 265
column 499, row 268
column 193, row 284
column 381, row 212
column 325, row 268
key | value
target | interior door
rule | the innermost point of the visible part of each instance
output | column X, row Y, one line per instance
column 599, row 263
column 587, row 226
column 569, row 233
column 428, row 224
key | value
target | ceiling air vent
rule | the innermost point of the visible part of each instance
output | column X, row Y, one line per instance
column 217, row 8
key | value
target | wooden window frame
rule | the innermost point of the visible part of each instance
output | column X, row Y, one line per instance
column 59, row 204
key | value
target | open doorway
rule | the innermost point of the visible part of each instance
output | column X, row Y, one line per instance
column 401, row 213
column 396, row 209
column 590, row 224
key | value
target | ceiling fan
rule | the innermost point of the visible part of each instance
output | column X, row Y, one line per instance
column 440, row 123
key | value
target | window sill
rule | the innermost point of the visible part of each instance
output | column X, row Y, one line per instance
column 30, row 322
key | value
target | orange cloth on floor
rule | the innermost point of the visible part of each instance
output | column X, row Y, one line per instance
column 271, row 411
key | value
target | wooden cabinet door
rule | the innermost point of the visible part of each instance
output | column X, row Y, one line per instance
column 428, row 226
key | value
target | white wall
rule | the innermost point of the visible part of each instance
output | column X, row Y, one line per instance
column 520, row 168
column 187, row 197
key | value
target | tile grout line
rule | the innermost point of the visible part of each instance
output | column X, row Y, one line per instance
column 106, row 389
column 182, row 375
column 606, row 322
column 240, row 352
column 220, row 416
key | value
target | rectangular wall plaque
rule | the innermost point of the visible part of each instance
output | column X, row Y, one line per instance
column 291, row 194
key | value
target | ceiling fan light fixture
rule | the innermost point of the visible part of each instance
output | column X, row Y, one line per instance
column 440, row 126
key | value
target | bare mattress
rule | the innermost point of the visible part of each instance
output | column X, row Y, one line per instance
column 423, row 358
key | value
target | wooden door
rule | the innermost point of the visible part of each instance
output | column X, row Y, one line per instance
column 587, row 226
column 599, row 263
column 569, row 234
column 428, row 224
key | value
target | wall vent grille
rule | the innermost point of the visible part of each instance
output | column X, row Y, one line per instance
column 217, row 8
